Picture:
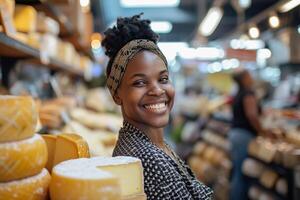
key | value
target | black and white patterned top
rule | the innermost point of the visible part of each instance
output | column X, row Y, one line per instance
column 164, row 178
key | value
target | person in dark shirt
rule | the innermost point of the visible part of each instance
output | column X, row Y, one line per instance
column 245, row 126
column 138, row 80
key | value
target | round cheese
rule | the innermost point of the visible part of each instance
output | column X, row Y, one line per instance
column 23, row 158
column 18, row 118
column 31, row 188
column 108, row 177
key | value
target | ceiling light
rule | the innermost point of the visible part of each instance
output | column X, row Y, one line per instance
column 289, row 5
column 264, row 53
column 244, row 3
column 84, row 3
column 254, row 32
column 298, row 29
column 211, row 21
column 274, row 21
column 247, row 44
column 149, row 3
column 171, row 49
column 161, row 27
column 210, row 53
column 96, row 44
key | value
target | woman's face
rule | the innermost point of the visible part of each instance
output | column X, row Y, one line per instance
column 146, row 94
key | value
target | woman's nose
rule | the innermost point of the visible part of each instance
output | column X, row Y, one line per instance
column 156, row 91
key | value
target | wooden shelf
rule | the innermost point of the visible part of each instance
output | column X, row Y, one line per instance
column 12, row 48
column 67, row 32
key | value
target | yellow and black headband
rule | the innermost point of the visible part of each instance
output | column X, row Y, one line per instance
column 125, row 54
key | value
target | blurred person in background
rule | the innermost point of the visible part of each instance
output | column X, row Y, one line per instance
column 245, row 127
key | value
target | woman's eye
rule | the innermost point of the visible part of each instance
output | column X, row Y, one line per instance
column 164, row 79
column 139, row 83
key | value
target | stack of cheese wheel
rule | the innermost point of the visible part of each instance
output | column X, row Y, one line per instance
column 114, row 178
column 23, row 154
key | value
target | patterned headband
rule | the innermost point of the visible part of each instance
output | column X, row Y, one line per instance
column 122, row 58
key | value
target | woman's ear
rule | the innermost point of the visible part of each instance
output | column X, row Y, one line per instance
column 117, row 99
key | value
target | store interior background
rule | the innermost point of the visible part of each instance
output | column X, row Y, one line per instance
column 205, row 41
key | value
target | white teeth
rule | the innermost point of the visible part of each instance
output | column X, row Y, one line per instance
column 156, row 106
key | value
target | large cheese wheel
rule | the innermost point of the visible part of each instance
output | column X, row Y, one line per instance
column 22, row 158
column 65, row 147
column 31, row 188
column 25, row 18
column 108, row 177
column 18, row 118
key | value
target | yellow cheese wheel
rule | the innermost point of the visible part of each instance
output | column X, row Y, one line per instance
column 25, row 18
column 31, row 188
column 22, row 158
column 18, row 118
column 51, row 144
column 70, row 146
column 108, row 177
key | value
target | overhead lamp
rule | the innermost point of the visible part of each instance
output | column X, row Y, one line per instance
column 149, row 3
column 211, row 21
column 85, row 4
column 289, row 5
column 161, row 26
column 254, row 32
column 209, row 53
column 298, row 29
column 244, row 3
column 274, row 21
column 264, row 53
column 247, row 44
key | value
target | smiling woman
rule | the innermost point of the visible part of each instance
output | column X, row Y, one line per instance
column 138, row 80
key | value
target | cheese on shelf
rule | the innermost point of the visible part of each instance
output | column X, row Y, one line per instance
column 51, row 144
column 22, row 158
column 268, row 178
column 70, row 146
column 25, row 18
column 18, row 118
column 31, row 188
column 109, row 177
column 252, row 168
column 282, row 186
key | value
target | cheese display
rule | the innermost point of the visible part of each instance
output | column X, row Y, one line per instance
column 18, row 118
column 252, row 168
column 100, row 142
column 107, row 177
column 97, row 120
column 31, row 188
column 51, row 144
column 282, row 186
column 70, row 146
column 22, row 158
column 25, row 18
column 268, row 178
column 46, row 24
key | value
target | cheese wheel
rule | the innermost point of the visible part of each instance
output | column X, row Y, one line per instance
column 31, row 188
column 51, row 144
column 18, row 118
column 25, row 18
column 268, row 178
column 22, row 158
column 108, row 177
column 70, row 146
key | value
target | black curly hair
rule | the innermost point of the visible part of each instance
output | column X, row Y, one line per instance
column 126, row 29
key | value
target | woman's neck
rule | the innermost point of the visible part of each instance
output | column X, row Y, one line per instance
column 156, row 135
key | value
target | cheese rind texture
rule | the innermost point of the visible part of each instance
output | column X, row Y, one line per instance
column 25, row 19
column 118, row 175
column 51, row 144
column 31, row 188
column 70, row 146
column 23, row 158
column 18, row 118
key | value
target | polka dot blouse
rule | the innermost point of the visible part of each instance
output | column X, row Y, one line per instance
column 164, row 178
